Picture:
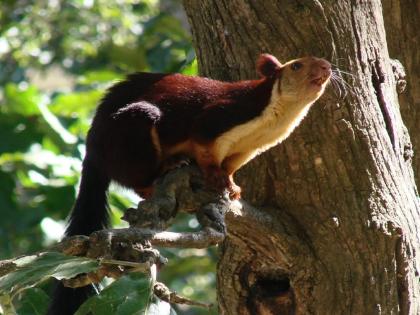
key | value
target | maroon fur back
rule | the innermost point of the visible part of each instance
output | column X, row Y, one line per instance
column 189, row 107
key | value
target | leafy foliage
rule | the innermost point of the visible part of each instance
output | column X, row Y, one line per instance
column 33, row 301
column 57, row 58
column 130, row 294
column 127, row 295
column 31, row 270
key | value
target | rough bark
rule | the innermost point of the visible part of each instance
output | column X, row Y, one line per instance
column 402, row 21
column 340, row 229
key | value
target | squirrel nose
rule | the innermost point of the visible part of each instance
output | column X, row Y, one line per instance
column 324, row 65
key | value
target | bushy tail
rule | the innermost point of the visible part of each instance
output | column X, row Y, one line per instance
column 89, row 214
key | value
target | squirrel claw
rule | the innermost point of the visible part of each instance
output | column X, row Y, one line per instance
column 234, row 191
column 219, row 180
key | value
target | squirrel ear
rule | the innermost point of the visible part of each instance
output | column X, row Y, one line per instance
column 268, row 65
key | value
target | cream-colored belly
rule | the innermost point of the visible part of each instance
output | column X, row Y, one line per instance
column 259, row 140
column 260, row 134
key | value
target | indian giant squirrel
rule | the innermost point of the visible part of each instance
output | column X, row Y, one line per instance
column 147, row 119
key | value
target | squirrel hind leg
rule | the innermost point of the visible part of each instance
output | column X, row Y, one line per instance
column 231, row 164
column 216, row 176
column 132, row 151
column 218, row 179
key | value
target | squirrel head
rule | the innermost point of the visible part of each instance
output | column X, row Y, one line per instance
column 301, row 80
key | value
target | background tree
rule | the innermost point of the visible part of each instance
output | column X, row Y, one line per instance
column 339, row 229
column 56, row 60
column 403, row 38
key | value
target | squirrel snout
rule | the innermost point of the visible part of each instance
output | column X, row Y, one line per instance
column 321, row 71
column 324, row 65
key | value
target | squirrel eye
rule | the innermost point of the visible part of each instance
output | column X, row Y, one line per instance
column 296, row 66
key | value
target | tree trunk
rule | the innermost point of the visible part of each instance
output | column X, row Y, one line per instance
column 338, row 231
column 402, row 21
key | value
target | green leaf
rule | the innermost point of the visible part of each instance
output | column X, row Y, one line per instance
column 77, row 104
column 126, row 296
column 191, row 68
column 17, row 133
column 99, row 76
column 21, row 100
column 56, row 198
column 34, row 269
column 33, row 301
column 130, row 58
column 54, row 123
